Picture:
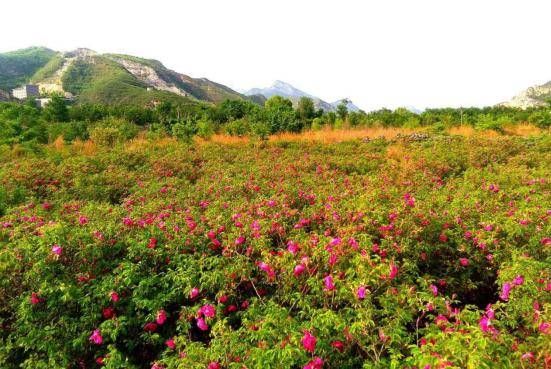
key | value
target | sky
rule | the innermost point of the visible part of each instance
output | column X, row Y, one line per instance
column 378, row 53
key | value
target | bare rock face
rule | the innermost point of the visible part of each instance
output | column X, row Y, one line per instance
column 82, row 53
column 530, row 98
column 148, row 76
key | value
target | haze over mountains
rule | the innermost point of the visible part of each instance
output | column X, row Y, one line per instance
column 280, row 88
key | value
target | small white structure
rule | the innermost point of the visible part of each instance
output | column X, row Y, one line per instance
column 25, row 91
column 43, row 102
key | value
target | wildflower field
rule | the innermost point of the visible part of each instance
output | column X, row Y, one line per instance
column 428, row 251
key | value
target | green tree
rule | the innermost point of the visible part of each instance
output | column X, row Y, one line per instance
column 305, row 109
column 342, row 110
column 280, row 115
column 56, row 110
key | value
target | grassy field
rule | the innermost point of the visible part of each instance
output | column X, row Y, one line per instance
column 367, row 248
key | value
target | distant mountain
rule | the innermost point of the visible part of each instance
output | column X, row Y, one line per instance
column 349, row 105
column 283, row 89
column 106, row 78
column 532, row 97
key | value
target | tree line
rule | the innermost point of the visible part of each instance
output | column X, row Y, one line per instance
column 25, row 122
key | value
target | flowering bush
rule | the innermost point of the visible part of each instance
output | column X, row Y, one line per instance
column 432, row 254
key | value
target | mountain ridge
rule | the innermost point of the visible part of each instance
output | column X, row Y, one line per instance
column 284, row 89
column 532, row 97
column 106, row 78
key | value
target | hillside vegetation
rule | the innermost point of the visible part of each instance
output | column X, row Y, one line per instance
column 17, row 67
column 415, row 252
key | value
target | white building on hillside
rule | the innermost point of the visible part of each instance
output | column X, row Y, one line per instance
column 25, row 91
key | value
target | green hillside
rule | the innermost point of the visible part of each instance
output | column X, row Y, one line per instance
column 106, row 82
column 95, row 78
column 17, row 67
column 200, row 88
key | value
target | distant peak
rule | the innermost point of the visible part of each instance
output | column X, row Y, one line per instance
column 81, row 52
column 279, row 83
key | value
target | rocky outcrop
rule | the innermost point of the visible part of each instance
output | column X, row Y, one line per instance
column 530, row 98
column 148, row 76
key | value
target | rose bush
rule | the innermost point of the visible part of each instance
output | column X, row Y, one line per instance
column 432, row 254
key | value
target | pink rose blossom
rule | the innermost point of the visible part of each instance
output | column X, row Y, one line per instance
column 519, row 280
column 299, row 269
column 361, row 292
column 309, row 341
column 328, row 282
column 393, row 271
column 315, row 363
column 202, row 325
column 505, row 291
column 208, row 310
column 194, row 293
column 57, row 250
column 170, row 343
column 161, row 317
column 96, row 337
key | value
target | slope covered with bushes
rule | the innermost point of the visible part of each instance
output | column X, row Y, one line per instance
column 383, row 254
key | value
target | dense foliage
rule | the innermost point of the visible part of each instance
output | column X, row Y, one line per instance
column 17, row 67
column 185, row 118
column 382, row 254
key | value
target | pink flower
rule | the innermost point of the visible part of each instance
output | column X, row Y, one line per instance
column 519, row 280
column 213, row 365
column 157, row 366
column 96, row 337
column 393, row 271
column 308, row 341
column 208, row 310
column 268, row 269
column 57, row 250
column 329, row 285
column 434, row 289
column 114, row 296
column 485, row 324
column 464, row 262
column 338, row 345
column 240, row 240
column 544, row 328
column 409, row 200
column 161, row 317
column 35, row 299
column 299, row 269
column 292, row 247
column 108, row 312
column 170, row 343
column 315, row 363
column 527, row 356
column 152, row 243
column 82, row 220
column 202, row 325
column 150, row 327
column 194, row 293
column 335, row 241
column 506, row 290
column 361, row 292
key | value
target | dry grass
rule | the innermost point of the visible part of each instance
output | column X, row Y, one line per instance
column 87, row 147
column 523, row 130
column 329, row 135
column 339, row 135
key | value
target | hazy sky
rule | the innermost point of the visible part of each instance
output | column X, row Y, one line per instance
column 378, row 53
